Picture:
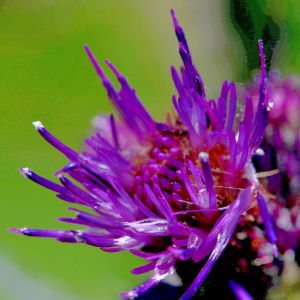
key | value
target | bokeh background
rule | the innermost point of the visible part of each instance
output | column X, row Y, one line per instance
column 45, row 75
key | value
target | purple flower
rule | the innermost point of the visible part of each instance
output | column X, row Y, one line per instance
column 167, row 192
column 281, row 147
column 283, row 129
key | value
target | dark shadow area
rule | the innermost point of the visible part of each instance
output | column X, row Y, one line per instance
column 253, row 24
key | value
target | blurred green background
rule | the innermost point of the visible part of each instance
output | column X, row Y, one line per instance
column 46, row 76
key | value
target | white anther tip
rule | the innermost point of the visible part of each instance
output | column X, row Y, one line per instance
column 25, row 172
column 204, row 156
column 37, row 125
column 271, row 105
column 260, row 152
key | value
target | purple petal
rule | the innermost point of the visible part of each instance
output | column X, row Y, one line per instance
column 148, row 212
column 221, row 113
column 271, row 234
column 232, row 107
column 239, row 291
column 103, row 223
column 68, row 152
column 209, row 182
column 77, row 191
column 47, row 233
column 226, row 224
column 144, row 269
column 156, row 278
column 114, row 131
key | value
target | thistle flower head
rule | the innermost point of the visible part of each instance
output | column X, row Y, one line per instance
column 282, row 139
column 284, row 96
column 281, row 150
column 167, row 192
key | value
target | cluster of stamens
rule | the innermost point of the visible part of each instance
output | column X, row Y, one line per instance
column 163, row 170
column 169, row 165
